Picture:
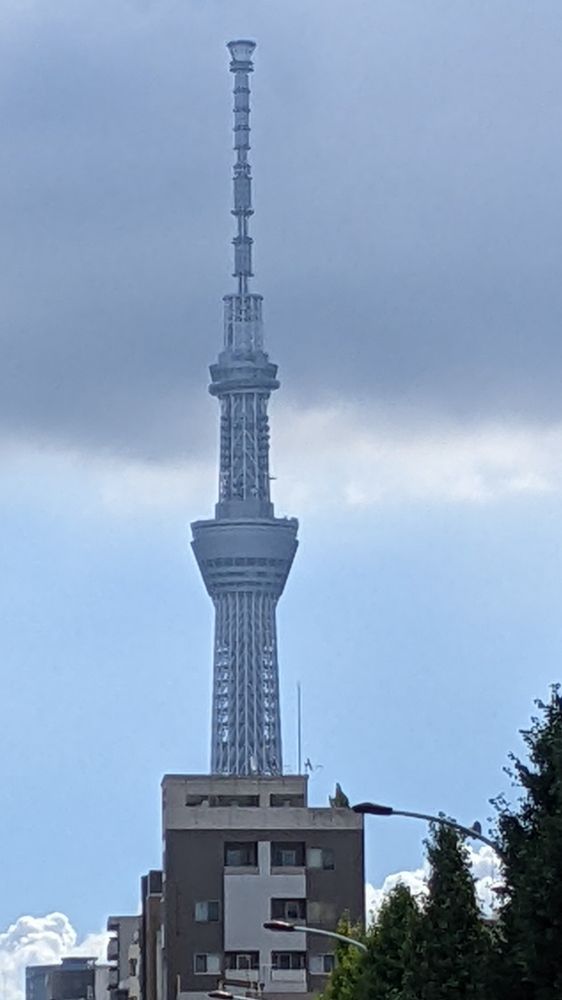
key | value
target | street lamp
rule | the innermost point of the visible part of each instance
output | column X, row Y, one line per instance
column 225, row 995
column 475, row 831
column 286, row 927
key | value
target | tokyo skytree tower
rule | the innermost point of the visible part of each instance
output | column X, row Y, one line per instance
column 244, row 553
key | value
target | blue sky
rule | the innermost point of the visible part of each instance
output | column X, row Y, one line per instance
column 407, row 164
column 420, row 637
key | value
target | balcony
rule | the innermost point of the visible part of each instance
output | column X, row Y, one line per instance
column 113, row 949
column 241, row 977
column 113, row 978
column 289, row 980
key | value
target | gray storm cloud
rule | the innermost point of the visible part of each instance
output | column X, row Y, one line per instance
column 408, row 192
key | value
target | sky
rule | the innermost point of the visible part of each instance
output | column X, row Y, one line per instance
column 408, row 194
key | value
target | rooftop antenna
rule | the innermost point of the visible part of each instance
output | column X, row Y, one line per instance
column 299, row 728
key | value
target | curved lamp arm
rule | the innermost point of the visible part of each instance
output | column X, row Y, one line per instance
column 374, row 809
column 284, row 926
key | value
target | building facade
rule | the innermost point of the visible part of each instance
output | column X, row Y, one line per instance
column 124, row 958
column 76, row 978
column 239, row 852
column 36, row 982
column 151, row 943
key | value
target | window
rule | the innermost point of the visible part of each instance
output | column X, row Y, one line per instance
column 296, row 801
column 288, row 960
column 322, row 965
column 321, row 857
column 288, row 909
column 287, row 855
column 204, row 963
column 241, row 855
column 241, row 960
column 235, row 800
column 207, row 911
column 322, row 914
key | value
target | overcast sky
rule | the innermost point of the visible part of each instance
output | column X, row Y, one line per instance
column 408, row 198
column 408, row 192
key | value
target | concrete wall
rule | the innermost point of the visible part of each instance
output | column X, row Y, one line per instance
column 101, row 982
column 177, row 789
column 247, row 906
column 124, row 928
column 151, row 901
column 195, row 872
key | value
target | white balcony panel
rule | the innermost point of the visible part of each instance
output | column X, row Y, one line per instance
column 288, row 980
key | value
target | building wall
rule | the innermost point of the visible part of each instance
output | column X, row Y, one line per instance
column 133, row 981
column 124, row 930
column 247, row 905
column 74, row 979
column 150, row 958
column 101, row 982
column 36, row 981
column 196, row 830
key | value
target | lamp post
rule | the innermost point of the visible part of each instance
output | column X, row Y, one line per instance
column 284, row 926
column 374, row 809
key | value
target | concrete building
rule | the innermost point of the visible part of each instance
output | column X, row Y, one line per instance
column 72, row 979
column 122, row 953
column 238, row 852
column 133, row 981
column 102, row 981
column 151, row 936
column 36, row 981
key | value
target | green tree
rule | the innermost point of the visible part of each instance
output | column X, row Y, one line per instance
column 390, row 942
column 451, row 953
column 343, row 983
column 530, row 833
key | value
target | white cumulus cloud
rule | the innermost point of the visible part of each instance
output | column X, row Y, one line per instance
column 41, row 940
column 486, row 871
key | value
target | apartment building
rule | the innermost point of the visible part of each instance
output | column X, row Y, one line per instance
column 239, row 851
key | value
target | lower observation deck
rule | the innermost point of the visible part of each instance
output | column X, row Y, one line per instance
column 245, row 563
column 250, row 554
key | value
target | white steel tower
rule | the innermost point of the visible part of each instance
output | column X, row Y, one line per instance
column 244, row 553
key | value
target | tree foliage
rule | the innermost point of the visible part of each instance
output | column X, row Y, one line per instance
column 442, row 948
column 451, row 958
column 343, row 983
column 438, row 950
column 531, row 839
column 390, row 944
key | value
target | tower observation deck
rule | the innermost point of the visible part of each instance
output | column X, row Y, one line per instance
column 244, row 553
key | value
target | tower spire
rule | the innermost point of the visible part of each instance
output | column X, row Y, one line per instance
column 244, row 553
column 241, row 66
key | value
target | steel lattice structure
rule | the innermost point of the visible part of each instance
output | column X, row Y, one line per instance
column 245, row 552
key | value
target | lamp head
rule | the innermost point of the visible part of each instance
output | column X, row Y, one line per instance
column 372, row 809
column 278, row 925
